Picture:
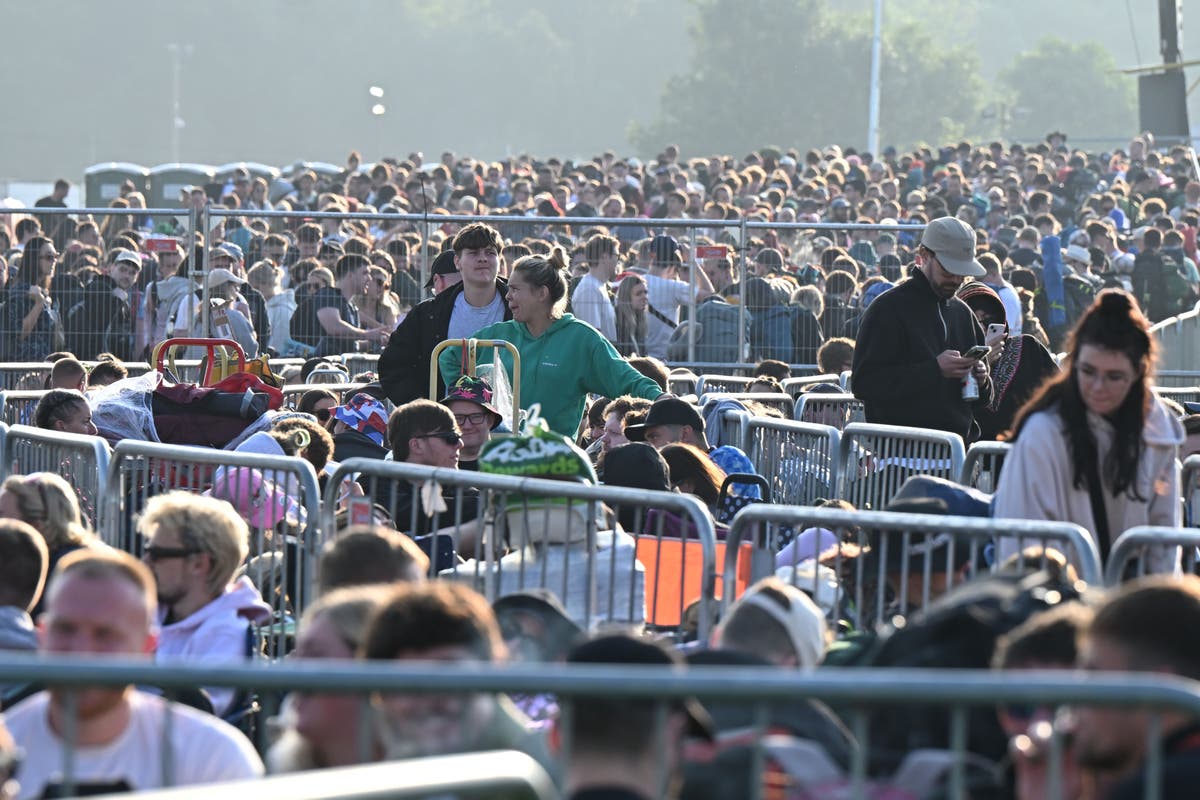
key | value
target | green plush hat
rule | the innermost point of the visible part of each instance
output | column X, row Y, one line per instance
column 537, row 453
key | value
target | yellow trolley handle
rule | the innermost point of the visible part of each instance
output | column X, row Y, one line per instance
column 470, row 349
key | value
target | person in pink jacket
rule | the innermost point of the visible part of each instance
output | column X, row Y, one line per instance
column 1093, row 445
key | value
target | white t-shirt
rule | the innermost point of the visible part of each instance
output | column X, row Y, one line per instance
column 203, row 750
column 465, row 319
column 590, row 303
column 667, row 296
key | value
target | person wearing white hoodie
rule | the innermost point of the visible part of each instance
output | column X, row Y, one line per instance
column 195, row 546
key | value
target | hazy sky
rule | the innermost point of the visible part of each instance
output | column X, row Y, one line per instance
column 281, row 80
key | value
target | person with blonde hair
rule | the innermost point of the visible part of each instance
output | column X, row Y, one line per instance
column 267, row 278
column 322, row 730
column 562, row 358
column 195, row 546
column 48, row 503
column 632, row 300
column 377, row 306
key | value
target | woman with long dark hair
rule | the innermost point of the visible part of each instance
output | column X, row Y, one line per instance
column 31, row 328
column 1094, row 446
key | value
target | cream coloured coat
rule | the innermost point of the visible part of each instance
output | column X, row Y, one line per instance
column 1037, row 482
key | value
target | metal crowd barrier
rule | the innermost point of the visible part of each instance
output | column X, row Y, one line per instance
column 472, row 776
column 899, row 562
column 361, row 362
column 720, row 369
column 838, row 410
column 81, row 460
column 1189, row 490
column 796, row 386
column 24, row 375
column 611, row 554
column 875, row 460
column 293, row 392
column 277, row 495
column 871, row 701
column 722, row 384
column 779, row 401
column 1177, row 377
column 981, row 468
column 1180, row 394
column 798, row 459
column 17, row 405
column 682, row 383
column 733, row 429
column 1134, row 549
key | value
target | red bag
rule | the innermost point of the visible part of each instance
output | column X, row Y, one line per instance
column 239, row 382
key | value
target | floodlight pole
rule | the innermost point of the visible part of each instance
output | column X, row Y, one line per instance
column 873, row 102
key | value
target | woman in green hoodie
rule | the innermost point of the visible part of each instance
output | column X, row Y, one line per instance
column 562, row 358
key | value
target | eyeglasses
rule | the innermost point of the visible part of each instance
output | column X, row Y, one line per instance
column 323, row 414
column 153, row 552
column 474, row 419
column 449, row 437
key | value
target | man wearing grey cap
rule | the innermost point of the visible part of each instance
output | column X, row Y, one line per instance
column 102, row 321
column 910, row 362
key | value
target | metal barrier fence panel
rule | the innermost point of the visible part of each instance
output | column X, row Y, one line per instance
column 1180, row 394
column 1189, row 490
column 118, row 312
column 17, row 406
column 778, row 401
column 875, row 460
column 981, row 468
column 870, row 701
column 836, row 410
column 682, row 382
column 611, row 554
column 80, row 460
column 1177, row 377
column 24, row 375
column 722, row 384
column 880, row 564
column 278, row 496
column 798, row 459
column 795, row 386
column 733, row 429
column 293, row 392
column 1134, row 551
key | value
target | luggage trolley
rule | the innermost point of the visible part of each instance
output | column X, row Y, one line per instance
column 226, row 347
column 470, row 349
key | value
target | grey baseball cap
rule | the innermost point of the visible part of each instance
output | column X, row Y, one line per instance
column 953, row 242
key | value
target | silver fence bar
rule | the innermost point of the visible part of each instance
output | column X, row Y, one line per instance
column 981, row 468
column 293, row 392
column 17, row 405
column 24, row 375
column 361, row 362
column 681, row 382
column 1177, row 377
column 277, row 495
column 1135, row 548
column 1189, row 490
column 779, row 401
column 875, row 460
column 733, row 429
column 482, row 776
column 1180, row 394
column 708, row 384
column 795, row 386
column 81, row 460
column 798, row 459
column 907, row 551
column 838, row 410
column 742, row 370
column 610, row 553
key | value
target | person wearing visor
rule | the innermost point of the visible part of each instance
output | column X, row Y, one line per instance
column 919, row 358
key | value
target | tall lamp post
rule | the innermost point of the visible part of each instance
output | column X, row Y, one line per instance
column 873, row 102
column 178, row 53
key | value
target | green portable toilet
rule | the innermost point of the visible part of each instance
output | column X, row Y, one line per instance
column 102, row 182
column 168, row 181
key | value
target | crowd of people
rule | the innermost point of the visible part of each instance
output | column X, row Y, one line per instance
column 1013, row 253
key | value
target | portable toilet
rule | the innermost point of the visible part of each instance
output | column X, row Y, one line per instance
column 256, row 170
column 168, row 181
column 102, row 182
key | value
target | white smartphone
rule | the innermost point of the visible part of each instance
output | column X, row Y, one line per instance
column 996, row 329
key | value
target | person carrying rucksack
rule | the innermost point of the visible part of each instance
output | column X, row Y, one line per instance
column 1158, row 282
column 778, row 330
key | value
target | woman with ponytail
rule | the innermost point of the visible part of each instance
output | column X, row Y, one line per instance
column 562, row 358
column 1093, row 445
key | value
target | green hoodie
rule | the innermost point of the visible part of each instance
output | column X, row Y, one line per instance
column 558, row 368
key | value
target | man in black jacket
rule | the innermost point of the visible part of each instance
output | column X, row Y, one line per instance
column 102, row 321
column 454, row 314
column 909, row 365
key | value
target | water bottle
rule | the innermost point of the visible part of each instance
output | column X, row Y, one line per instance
column 970, row 388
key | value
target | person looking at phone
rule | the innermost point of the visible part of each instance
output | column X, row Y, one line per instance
column 912, row 358
column 1018, row 363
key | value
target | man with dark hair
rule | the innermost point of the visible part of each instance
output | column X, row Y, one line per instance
column 667, row 294
column 591, row 301
column 102, row 602
column 336, row 313
column 772, row 368
column 57, row 198
column 23, row 563
column 365, row 554
column 67, row 373
column 628, row 748
column 458, row 312
column 1150, row 278
column 444, row 622
column 1147, row 627
column 910, row 361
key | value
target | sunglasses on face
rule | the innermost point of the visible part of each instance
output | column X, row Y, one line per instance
column 153, row 552
column 323, row 414
column 449, row 437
